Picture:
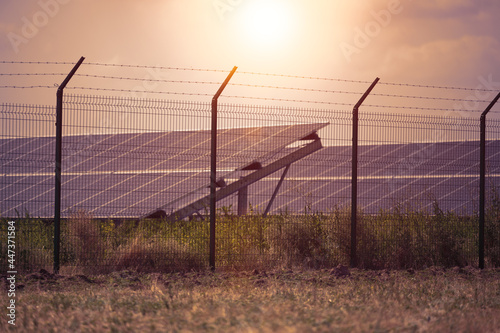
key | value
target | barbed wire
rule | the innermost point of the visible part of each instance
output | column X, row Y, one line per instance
column 240, row 72
column 156, row 67
column 210, row 95
column 32, row 74
column 263, row 98
column 434, row 86
column 430, row 98
column 300, row 100
column 239, row 84
column 416, row 108
column 144, row 79
column 289, row 100
column 357, row 92
column 294, row 76
column 27, row 87
column 349, row 104
column 305, row 77
column 216, row 83
column 247, row 85
column 222, row 71
column 139, row 91
column 38, row 62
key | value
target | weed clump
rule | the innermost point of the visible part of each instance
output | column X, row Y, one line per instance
column 302, row 241
column 156, row 255
column 83, row 243
column 100, row 247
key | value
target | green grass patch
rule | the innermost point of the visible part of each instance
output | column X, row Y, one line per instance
column 397, row 239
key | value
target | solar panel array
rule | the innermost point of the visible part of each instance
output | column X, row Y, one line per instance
column 127, row 175
column 122, row 158
column 322, row 182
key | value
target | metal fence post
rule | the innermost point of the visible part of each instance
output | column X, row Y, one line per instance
column 57, row 188
column 213, row 168
column 482, row 178
column 354, row 176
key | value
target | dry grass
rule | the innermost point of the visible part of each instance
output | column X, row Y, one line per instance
column 156, row 255
column 90, row 250
column 84, row 239
column 432, row 300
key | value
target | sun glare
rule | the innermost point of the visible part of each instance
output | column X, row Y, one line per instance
column 266, row 22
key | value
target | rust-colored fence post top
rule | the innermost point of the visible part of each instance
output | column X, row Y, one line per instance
column 224, row 84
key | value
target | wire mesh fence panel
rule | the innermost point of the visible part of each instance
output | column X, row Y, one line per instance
column 284, row 195
column 27, row 182
column 136, row 173
column 133, row 169
column 419, row 190
column 125, row 157
column 492, row 192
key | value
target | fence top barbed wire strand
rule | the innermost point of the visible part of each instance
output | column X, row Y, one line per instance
column 285, row 88
column 290, row 100
column 249, row 73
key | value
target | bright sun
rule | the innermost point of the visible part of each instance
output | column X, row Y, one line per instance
column 266, row 22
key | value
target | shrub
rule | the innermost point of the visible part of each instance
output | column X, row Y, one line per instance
column 302, row 241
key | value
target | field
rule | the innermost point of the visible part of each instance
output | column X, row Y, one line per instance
column 326, row 300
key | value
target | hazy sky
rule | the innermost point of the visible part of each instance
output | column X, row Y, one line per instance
column 441, row 42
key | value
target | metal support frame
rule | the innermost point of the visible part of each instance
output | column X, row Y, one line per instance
column 482, row 179
column 276, row 190
column 354, row 180
column 243, row 201
column 213, row 167
column 243, row 196
column 245, row 181
column 58, row 169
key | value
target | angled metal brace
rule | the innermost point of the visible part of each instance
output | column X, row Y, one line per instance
column 276, row 190
column 245, row 181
